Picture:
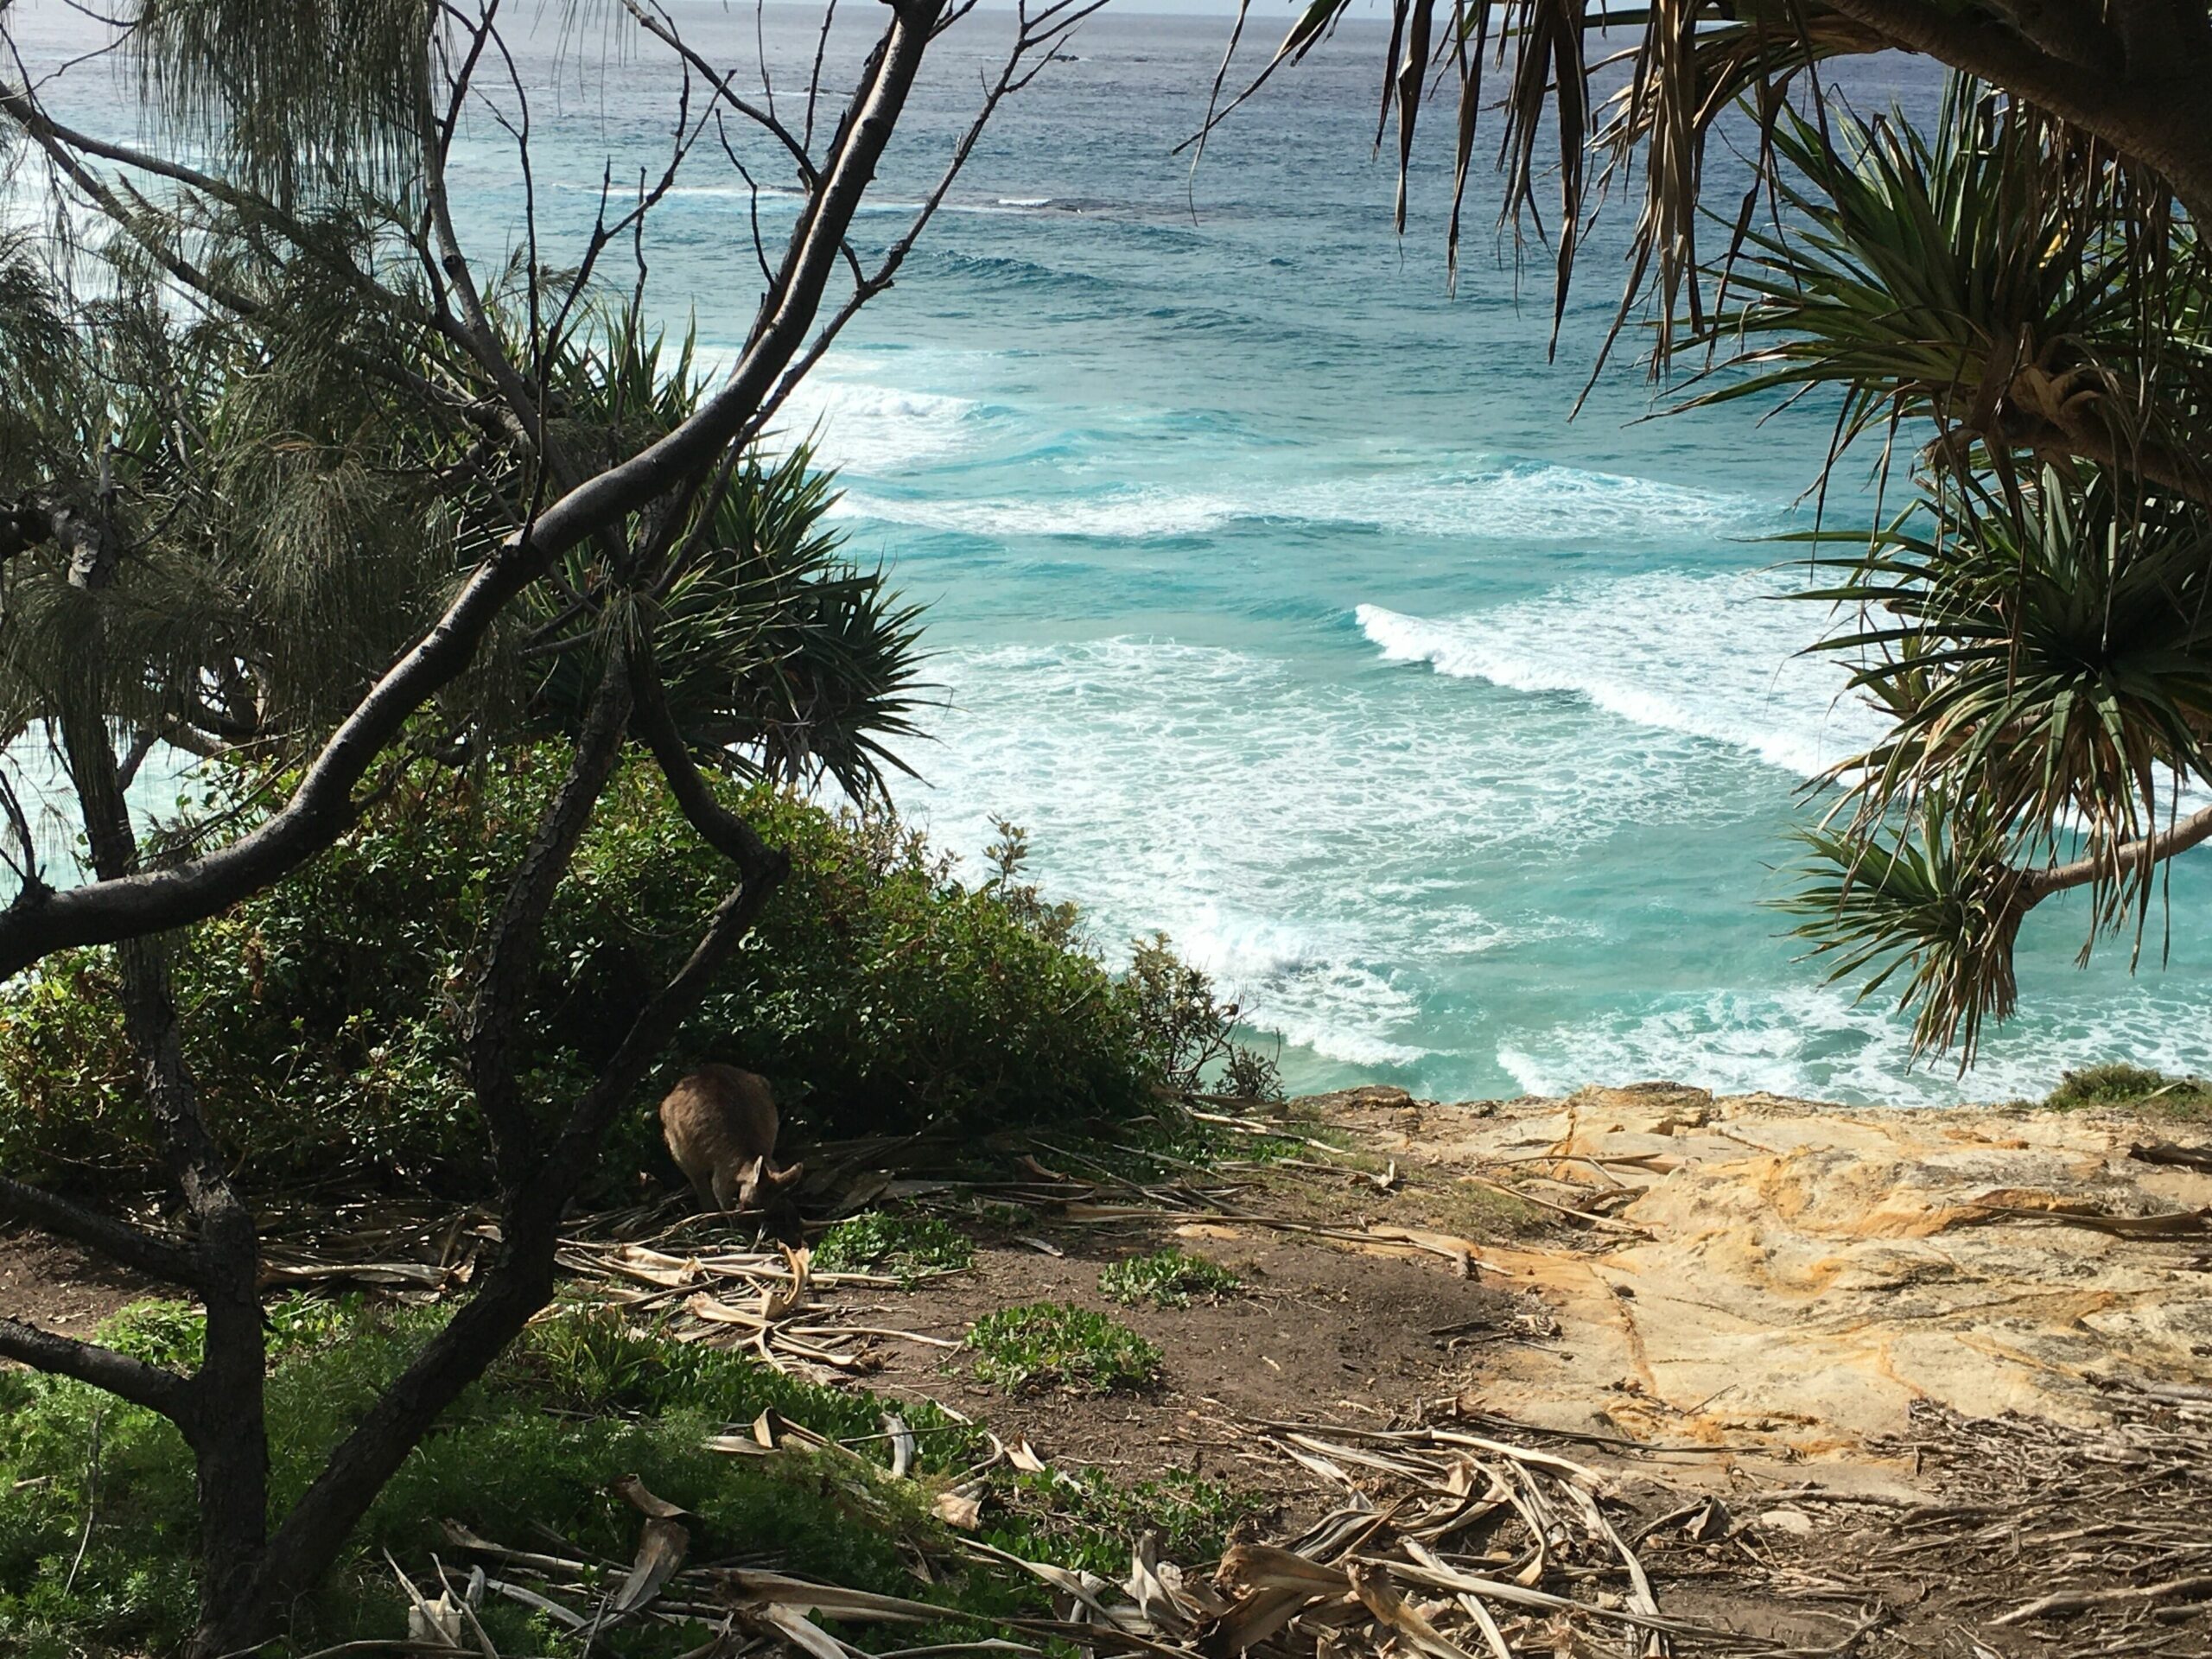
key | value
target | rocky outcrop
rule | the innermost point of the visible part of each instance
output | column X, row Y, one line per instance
column 1789, row 1278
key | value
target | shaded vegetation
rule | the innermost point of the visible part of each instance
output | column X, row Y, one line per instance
column 583, row 1399
column 907, row 1245
column 880, row 992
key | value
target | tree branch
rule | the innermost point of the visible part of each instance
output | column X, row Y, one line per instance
column 119, row 1240
column 2038, row 885
column 721, row 830
column 141, row 1384
column 2162, row 118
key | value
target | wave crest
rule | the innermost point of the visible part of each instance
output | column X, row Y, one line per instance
column 1715, row 657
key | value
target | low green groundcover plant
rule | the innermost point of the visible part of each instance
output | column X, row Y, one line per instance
column 907, row 1246
column 96, row 1533
column 1168, row 1278
column 2121, row 1084
column 1052, row 1344
column 880, row 992
column 1086, row 1519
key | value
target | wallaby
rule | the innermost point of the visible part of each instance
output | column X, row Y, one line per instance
column 719, row 1124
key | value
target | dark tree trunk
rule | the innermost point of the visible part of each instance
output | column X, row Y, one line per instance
column 223, row 1424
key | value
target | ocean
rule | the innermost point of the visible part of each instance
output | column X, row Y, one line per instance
column 1273, row 591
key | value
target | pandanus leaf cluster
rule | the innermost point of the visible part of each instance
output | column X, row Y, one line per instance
column 1999, row 308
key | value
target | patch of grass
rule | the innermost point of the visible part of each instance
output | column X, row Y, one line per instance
column 907, row 1245
column 584, row 1398
column 1479, row 1212
column 1051, row 1345
column 1083, row 1520
column 1167, row 1278
column 2131, row 1085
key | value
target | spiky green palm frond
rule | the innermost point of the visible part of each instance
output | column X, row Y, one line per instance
column 1931, row 904
column 779, row 656
column 1687, row 63
column 2045, row 653
column 1610, row 100
column 783, row 657
column 1989, row 277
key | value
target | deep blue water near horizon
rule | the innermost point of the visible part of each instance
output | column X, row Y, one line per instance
column 1271, row 588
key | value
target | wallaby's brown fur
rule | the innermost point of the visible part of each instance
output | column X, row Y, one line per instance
column 719, row 1124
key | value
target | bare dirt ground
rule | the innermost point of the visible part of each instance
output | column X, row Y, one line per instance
column 60, row 1287
column 1893, row 1384
column 1319, row 1333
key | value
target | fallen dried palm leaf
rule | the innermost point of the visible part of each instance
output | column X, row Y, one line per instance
column 2198, row 1587
column 2173, row 1156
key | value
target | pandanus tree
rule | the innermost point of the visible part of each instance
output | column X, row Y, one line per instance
column 289, row 468
column 2006, row 316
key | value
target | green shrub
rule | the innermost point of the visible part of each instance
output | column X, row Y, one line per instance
column 1167, row 1278
column 908, row 1246
column 1051, row 1344
column 322, row 1016
column 1191, row 1032
column 2121, row 1084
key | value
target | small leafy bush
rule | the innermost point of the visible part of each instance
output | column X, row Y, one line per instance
column 2121, row 1084
column 1192, row 1031
column 322, row 1017
column 1051, row 1345
column 907, row 1246
column 1168, row 1278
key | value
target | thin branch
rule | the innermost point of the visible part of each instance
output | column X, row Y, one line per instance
column 1042, row 32
column 723, row 830
column 765, row 120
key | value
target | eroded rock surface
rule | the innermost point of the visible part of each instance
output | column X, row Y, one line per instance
column 1793, row 1277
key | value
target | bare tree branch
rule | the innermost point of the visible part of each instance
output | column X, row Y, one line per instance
column 141, row 1384
column 2037, row 885
column 119, row 1240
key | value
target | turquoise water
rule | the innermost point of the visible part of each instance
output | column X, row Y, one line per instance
column 1273, row 590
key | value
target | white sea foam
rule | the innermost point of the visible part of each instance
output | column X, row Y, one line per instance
column 875, row 431
column 1308, row 842
column 1713, row 657
column 1510, row 501
column 1818, row 1042
column 1134, row 514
